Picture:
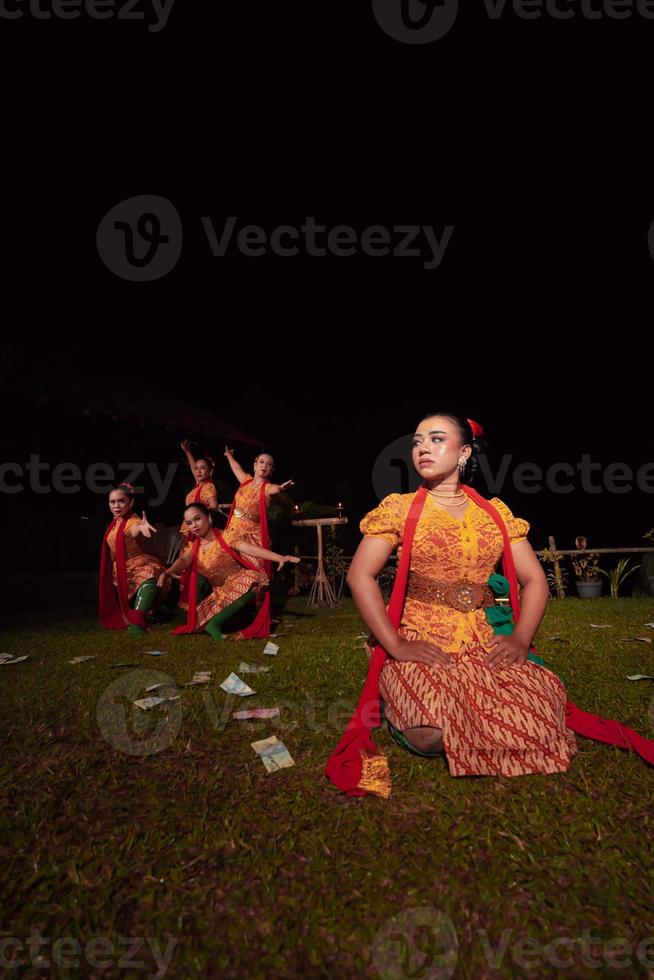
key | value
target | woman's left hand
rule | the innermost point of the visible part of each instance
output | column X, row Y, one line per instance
column 507, row 650
column 292, row 558
column 145, row 528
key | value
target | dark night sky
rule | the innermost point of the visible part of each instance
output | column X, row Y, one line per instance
column 528, row 137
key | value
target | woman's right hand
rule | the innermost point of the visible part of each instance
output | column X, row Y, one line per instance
column 228, row 452
column 419, row 651
column 186, row 446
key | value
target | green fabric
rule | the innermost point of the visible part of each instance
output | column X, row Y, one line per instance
column 406, row 744
column 204, row 588
column 145, row 596
column 213, row 627
column 501, row 617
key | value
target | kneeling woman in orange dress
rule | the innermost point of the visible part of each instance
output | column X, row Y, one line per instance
column 235, row 580
column 448, row 684
column 126, row 571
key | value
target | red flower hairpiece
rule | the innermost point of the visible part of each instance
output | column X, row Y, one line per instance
column 476, row 428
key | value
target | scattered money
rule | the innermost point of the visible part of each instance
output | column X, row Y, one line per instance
column 273, row 753
column 636, row 639
column 271, row 649
column 256, row 713
column 234, row 685
column 649, row 624
column 601, row 626
column 147, row 703
column 245, row 668
column 157, row 687
column 81, row 660
column 155, row 653
column 8, row 658
column 639, row 677
column 199, row 677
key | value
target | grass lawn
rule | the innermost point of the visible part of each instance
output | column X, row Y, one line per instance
column 250, row 874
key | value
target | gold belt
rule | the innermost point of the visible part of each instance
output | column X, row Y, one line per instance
column 462, row 595
column 254, row 518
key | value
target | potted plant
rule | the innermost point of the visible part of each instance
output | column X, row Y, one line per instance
column 587, row 575
column 618, row 574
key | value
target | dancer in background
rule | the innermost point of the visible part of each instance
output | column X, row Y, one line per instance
column 204, row 491
column 248, row 521
column 126, row 572
column 234, row 579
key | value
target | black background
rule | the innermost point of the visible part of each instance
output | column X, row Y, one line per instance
column 532, row 138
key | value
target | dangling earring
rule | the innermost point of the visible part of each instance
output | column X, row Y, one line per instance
column 462, row 466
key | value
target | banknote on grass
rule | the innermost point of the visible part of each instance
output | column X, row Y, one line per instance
column 234, row 685
column 271, row 649
column 256, row 713
column 245, row 668
column 273, row 753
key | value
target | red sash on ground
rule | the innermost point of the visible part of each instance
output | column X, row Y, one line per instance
column 356, row 766
column 115, row 612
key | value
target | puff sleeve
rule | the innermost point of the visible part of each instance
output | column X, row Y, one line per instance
column 387, row 520
column 517, row 527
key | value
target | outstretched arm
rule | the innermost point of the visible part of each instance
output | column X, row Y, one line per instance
column 237, row 469
column 186, row 446
column 184, row 561
column 371, row 556
column 279, row 487
column 514, row 649
column 254, row 551
column 144, row 528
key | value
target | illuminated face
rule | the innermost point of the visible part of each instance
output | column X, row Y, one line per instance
column 263, row 466
column 120, row 503
column 196, row 522
column 437, row 448
column 201, row 470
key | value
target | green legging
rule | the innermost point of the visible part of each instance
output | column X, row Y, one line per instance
column 145, row 596
column 214, row 624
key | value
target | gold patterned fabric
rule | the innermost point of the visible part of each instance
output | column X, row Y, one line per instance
column 229, row 580
column 508, row 720
column 206, row 493
column 139, row 566
column 245, row 524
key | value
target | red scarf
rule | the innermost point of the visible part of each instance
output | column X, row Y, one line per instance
column 192, row 615
column 259, row 628
column 115, row 612
column 357, row 767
